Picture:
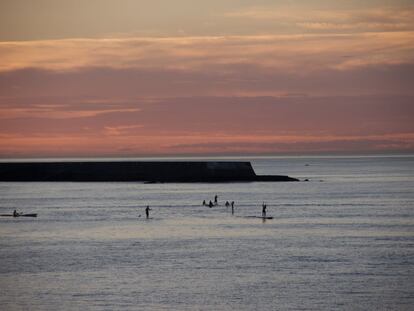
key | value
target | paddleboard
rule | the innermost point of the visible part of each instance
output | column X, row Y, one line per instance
column 261, row 217
column 19, row 215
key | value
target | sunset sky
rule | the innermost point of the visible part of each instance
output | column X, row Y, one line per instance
column 218, row 77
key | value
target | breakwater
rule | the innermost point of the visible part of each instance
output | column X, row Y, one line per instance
column 145, row 171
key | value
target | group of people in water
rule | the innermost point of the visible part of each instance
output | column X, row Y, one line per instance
column 215, row 203
column 228, row 204
column 211, row 204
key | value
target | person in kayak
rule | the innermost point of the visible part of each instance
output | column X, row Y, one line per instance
column 147, row 211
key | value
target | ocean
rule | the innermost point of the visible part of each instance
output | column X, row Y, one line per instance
column 344, row 240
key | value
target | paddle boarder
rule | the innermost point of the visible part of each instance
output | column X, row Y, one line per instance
column 215, row 200
column 264, row 209
column 232, row 207
column 15, row 213
column 147, row 211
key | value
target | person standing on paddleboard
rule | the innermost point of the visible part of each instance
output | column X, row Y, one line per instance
column 264, row 209
column 147, row 211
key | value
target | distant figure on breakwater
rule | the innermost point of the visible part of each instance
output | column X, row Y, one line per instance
column 147, row 211
column 210, row 204
column 264, row 206
column 215, row 200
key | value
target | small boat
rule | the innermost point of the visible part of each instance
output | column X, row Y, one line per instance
column 19, row 215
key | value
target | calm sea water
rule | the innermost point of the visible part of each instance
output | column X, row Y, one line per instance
column 342, row 241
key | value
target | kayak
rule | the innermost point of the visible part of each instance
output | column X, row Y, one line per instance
column 19, row 215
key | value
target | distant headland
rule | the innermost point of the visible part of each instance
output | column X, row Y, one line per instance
column 143, row 171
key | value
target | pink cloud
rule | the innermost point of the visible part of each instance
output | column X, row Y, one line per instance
column 228, row 125
column 288, row 53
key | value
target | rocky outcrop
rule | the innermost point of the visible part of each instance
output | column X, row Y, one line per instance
column 145, row 171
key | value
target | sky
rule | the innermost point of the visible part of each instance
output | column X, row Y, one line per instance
column 219, row 77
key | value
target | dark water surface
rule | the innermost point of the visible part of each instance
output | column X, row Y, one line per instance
column 342, row 241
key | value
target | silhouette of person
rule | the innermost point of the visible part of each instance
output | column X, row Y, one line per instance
column 204, row 203
column 210, row 204
column 15, row 213
column 147, row 211
column 215, row 200
column 227, row 204
column 232, row 207
column 264, row 209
